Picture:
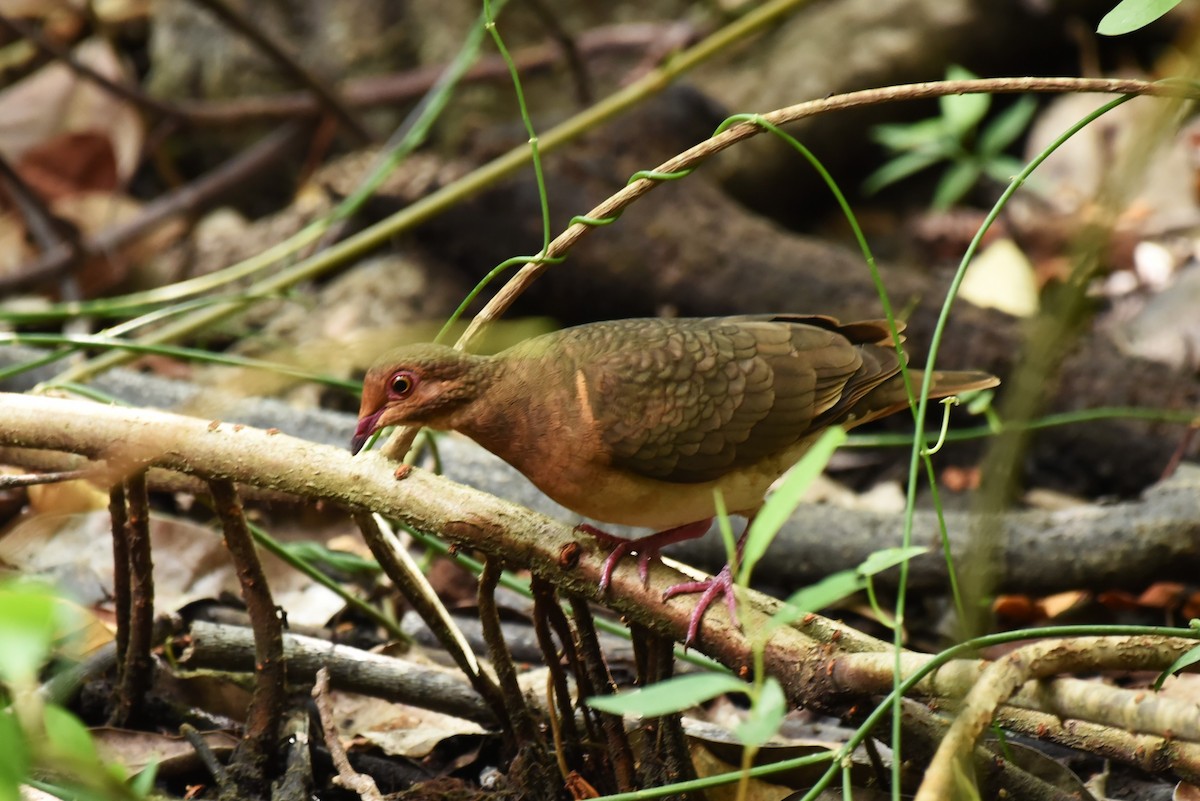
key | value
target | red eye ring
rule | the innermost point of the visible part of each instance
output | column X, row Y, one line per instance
column 402, row 384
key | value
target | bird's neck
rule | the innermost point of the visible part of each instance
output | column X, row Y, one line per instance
column 515, row 410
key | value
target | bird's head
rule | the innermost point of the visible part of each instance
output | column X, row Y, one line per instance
column 422, row 384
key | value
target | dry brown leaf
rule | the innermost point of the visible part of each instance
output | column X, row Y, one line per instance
column 1018, row 609
column 55, row 100
column 1162, row 595
column 69, row 163
column 397, row 729
column 135, row 750
column 1118, row 600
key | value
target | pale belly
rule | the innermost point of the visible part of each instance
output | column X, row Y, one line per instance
column 622, row 498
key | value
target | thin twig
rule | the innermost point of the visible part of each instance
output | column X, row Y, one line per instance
column 1185, row 443
column 206, row 755
column 398, row 566
column 213, row 646
column 618, row 750
column 558, row 708
column 121, row 583
column 34, row 479
column 382, row 90
column 326, row 94
column 515, row 708
column 665, row 758
column 137, row 667
column 347, row 776
column 270, row 668
column 557, row 619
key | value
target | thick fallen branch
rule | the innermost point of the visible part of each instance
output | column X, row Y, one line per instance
column 949, row 773
column 1131, row 710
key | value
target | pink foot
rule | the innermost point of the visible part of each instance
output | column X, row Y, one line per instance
column 710, row 588
column 646, row 547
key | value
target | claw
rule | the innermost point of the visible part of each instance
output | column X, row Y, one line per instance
column 644, row 565
column 646, row 548
column 610, row 564
column 709, row 589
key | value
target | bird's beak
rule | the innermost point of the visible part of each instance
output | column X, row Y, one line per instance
column 366, row 427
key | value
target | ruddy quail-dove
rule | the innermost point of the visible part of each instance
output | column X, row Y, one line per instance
column 637, row 422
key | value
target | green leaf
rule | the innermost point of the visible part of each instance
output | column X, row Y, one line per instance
column 930, row 133
column 1129, row 15
column 1007, row 126
column 787, row 496
column 900, row 168
column 317, row 554
column 963, row 112
column 842, row 584
column 955, row 183
column 825, row 592
column 143, row 783
column 887, row 558
column 29, row 618
column 68, row 737
column 1186, row 660
column 766, row 714
column 979, row 401
column 667, row 697
column 14, row 757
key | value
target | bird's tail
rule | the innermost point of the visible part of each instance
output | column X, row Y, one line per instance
column 890, row 396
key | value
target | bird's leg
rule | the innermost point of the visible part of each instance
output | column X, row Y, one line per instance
column 710, row 588
column 645, row 547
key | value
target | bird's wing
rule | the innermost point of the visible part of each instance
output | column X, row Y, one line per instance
column 689, row 400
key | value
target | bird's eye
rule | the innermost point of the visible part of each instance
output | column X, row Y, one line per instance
column 403, row 383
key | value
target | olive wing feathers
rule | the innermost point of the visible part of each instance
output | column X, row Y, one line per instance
column 690, row 400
